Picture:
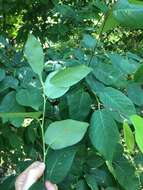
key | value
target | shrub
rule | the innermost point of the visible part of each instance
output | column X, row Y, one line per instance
column 76, row 106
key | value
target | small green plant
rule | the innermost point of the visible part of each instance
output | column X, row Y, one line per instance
column 77, row 109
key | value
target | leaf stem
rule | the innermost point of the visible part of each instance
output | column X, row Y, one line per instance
column 47, row 151
column 43, row 120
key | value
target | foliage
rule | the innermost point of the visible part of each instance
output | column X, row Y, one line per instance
column 71, row 92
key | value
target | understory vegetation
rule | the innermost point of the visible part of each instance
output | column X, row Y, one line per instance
column 71, row 92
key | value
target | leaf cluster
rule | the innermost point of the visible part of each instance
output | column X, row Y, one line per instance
column 77, row 108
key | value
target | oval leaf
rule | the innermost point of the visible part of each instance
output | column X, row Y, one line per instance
column 103, row 133
column 135, row 93
column 61, row 134
column 89, row 41
column 129, row 137
column 116, row 101
column 129, row 17
column 125, row 174
column 8, row 105
column 128, row 14
column 138, row 124
column 70, row 76
column 58, row 164
column 30, row 97
column 79, row 105
column 52, row 91
column 34, row 54
column 109, row 75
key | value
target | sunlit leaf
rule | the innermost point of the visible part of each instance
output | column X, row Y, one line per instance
column 129, row 137
column 34, row 54
column 70, row 76
column 53, row 91
column 138, row 124
column 61, row 134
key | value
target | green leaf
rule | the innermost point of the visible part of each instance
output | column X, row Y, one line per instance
column 79, row 103
column 31, row 134
column 138, row 159
column 27, row 78
column 34, row 54
column 89, row 41
column 103, row 133
column 125, row 174
column 66, row 11
column 135, row 93
column 91, row 181
column 8, row 82
column 110, row 23
column 30, row 97
column 129, row 15
column 8, row 183
column 79, row 54
column 122, row 64
column 138, row 2
column 131, row 18
column 94, row 160
column 138, row 76
column 95, row 85
column 109, row 75
column 138, row 124
column 70, row 76
column 117, row 102
column 103, row 177
column 58, row 164
column 4, row 41
column 81, row 185
column 61, row 134
column 15, row 141
column 52, row 91
column 101, row 5
column 129, row 137
column 11, row 115
column 2, row 74
column 9, row 105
